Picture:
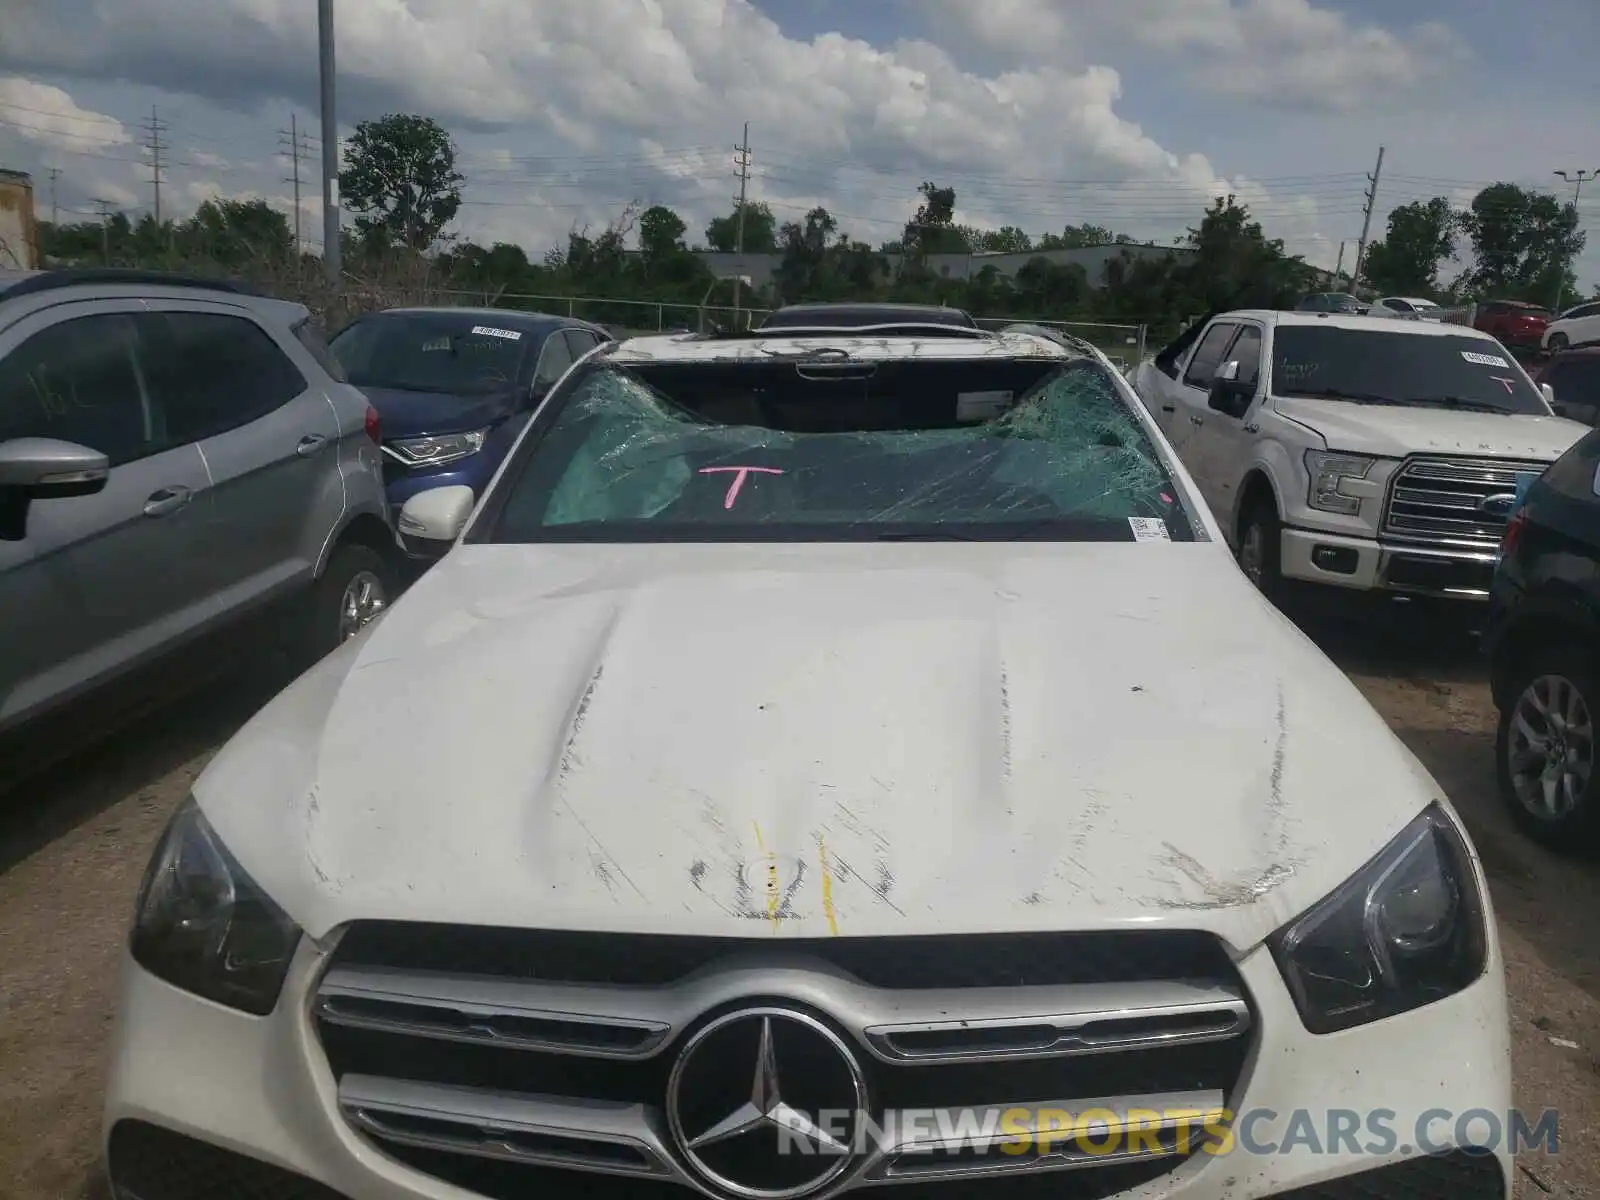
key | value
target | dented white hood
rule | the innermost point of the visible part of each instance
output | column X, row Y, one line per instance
column 800, row 741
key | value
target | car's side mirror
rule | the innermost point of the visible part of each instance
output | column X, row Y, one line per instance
column 44, row 469
column 1549, row 393
column 1228, row 394
column 48, row 467
column 431, row 521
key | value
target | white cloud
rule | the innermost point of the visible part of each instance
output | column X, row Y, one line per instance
column 48, row 116
column 1280, row 52
column 652, row 116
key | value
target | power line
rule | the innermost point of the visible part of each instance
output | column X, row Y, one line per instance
column 154, row 128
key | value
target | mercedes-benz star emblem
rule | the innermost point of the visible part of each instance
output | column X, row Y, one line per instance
column 789, row 1133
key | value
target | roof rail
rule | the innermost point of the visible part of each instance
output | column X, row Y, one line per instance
column 50, row 280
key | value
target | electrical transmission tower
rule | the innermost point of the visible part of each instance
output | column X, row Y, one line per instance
column 297, row 146
column 153, row 129
column 741, row 160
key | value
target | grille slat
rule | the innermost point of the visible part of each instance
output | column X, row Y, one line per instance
column 1435, row 501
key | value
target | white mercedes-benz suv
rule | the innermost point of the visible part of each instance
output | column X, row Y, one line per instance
column 821, row 761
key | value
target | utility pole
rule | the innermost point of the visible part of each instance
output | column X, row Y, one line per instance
column 55, row 174
column 105, row 230
column 296, row 142
column 741, row 159
column 1577, row 179
column 1338, row 267
column 154, row 129
column 1366, row 221
column 330, row 146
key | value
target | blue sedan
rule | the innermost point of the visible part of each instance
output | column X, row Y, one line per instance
column 454, row 386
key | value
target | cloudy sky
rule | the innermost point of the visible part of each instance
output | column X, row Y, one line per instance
column 1127, row 113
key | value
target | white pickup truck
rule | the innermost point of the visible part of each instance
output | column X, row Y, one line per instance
column 1359, row 452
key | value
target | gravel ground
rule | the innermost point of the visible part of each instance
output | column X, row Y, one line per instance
column 73, row 846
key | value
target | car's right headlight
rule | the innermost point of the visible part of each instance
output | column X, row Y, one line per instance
column 1408, row 929
column 437, row 450
column 1328, row 470
column 204, row 926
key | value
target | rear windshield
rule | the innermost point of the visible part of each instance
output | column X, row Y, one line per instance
column 1410, row 369
column 838, row 451
column 459, row 355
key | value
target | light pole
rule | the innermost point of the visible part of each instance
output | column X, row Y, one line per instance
column 1577, row 179
column 330, row 146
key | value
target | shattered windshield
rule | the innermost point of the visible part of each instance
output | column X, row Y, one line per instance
column 783, row 450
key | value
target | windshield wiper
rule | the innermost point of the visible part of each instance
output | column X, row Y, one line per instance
column 1336, row 394
column 1460, row 402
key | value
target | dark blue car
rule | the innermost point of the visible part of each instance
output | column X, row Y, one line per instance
column 454, row 386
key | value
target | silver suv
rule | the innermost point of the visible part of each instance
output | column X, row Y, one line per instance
column 175, row 455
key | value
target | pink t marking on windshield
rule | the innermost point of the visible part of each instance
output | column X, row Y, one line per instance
column 1508, row 384
column 738, row 480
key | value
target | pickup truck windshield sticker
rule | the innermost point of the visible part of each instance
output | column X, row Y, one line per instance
column 740, row 475
column 511, row 335
column 1484, row 360
column 1510, row 385
column 1149, row 529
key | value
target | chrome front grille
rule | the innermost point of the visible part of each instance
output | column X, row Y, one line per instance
column 1437, row 501
column 502, row 1061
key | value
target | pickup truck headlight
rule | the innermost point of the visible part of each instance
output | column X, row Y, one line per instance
column 202, row 925
column 437, row 450
column 1406, row 930
column 1328, row 470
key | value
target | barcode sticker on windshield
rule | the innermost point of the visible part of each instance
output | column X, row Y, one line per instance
column 981, row 406
column 511, row 335
column 1484, row 360
column 1149, row 529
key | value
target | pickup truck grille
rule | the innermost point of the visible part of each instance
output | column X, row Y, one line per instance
column 509, row 1062
column 1438, row 501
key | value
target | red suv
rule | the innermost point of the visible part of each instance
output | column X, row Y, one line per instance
column 1518, row 324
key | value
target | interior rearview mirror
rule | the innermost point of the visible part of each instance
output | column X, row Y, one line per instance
column 431, row 521
column 44, row 467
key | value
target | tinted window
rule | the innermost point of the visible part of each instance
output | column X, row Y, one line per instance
column 1402, row 368
column 1577, row 386
column 459, row 355
column 1246, row 351
column 309, row 333
column 76, row 381
column 554, row 359
column 209, row 372
column 1574, row 474
column 1208, row 355
column 934, row 449
column 580, row 342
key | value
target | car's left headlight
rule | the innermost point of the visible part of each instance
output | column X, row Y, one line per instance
column 1328, row 470
column 1408, row 929
column 437, row 450
column 203, row 925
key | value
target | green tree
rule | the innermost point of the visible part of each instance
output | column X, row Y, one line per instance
column 1235, row 265
column 1523, row 243
column 1008, row 239
column 933, row 229
column 1421, row 235
column 1080, row 237
column 400, row 180
column 236, row 234
column 760, row 230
